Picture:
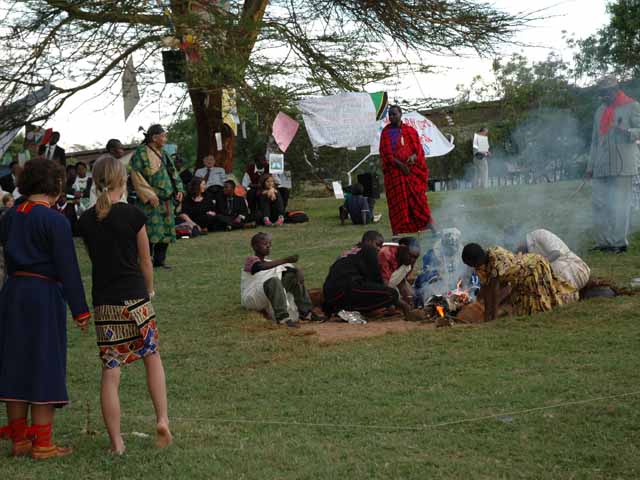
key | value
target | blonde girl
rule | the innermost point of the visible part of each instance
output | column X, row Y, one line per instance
column 116, row 238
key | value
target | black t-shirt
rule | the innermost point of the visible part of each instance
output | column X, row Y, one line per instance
column 113, row 249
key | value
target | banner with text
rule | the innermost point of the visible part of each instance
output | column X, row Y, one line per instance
column 434, row 143
column 346, row 120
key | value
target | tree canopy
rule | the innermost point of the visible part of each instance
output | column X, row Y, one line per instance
column 614, row 48
column 270, row 52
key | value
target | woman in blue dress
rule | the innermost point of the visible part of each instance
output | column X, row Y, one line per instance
column 42, row 276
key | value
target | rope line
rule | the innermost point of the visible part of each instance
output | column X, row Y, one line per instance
column 284, row 423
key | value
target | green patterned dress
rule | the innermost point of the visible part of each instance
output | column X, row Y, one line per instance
column 161, row 226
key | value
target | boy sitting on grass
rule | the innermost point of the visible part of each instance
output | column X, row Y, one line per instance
column 265, row 283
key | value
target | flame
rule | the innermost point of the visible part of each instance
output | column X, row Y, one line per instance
column 440, row 311
column 459, row 284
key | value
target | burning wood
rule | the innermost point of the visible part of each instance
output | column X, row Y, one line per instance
column 441, row 309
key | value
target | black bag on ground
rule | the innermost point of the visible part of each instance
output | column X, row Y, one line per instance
column 296, row 216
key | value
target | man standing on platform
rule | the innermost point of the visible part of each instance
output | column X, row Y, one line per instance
column 612, row 164
column 405, row 176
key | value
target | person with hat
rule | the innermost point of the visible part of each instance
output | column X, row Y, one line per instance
column 612, row 164
column 159, row 189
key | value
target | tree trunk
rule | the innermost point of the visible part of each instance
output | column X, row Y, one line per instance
column 207, row 110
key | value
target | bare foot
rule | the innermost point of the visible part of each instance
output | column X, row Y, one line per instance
column 117, row 446
column 163, row 436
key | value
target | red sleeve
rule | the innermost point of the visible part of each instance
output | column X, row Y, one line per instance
column 386, row 269
column 421, row 163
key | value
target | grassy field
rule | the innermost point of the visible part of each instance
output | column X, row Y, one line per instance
column 552, row 396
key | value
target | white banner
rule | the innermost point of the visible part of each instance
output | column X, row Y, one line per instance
column 19, row 111
column 344, row 120
column 6, row 138
column 434, row 143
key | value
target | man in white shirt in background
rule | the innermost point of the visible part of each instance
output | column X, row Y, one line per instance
column 481, row 151
column 214, row 178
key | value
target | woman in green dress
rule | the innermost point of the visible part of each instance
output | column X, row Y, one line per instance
column 159, row 189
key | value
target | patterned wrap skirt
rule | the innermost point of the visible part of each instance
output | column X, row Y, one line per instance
column 126, row 332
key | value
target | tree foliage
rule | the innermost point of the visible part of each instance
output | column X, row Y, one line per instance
column 614, row 48
column 271, row 52
column 538, row 119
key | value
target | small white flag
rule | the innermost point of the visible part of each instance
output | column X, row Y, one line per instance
column 130, row 93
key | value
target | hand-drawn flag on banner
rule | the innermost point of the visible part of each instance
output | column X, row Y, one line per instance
column 130, row 93
column 346, row 120
column 17, row 113
column 381, row 104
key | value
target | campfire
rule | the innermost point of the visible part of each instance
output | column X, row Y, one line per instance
column 442, row 309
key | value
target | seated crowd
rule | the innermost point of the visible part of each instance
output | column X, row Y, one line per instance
column 213, row 200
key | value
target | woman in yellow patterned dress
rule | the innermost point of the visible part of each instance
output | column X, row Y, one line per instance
column 530, row 284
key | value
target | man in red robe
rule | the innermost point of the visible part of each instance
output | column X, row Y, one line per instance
column 405, row 176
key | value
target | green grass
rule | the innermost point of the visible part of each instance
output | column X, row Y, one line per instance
column 249, row 401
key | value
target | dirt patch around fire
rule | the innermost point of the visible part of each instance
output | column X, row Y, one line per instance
column 337, row 332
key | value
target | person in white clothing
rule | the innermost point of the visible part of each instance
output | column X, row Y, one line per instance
column 481, row 151
column 565, row 264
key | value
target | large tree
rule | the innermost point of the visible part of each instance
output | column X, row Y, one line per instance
column 270, row 52
column 615, row 48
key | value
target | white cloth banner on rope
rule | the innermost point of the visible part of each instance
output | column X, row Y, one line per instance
column 16, row 112
column 434, row 143
column 340, row 121
column 6, row 139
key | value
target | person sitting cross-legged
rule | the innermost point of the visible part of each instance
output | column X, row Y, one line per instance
column 265, row 283
column 270, row 210
column 231, row 210
column 354, row 283
column 198, row 209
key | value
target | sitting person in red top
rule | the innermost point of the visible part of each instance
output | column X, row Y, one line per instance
column 396, row 262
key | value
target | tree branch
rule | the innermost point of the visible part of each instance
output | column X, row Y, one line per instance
column 106, row 15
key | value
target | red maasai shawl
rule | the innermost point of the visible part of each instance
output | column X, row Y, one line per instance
column 406, row 194
column 606, row 120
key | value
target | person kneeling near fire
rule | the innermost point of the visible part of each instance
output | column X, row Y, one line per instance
column 265, row 283
column 525, row 282
column 355, row 283
column 396, row 262
column 565, row 264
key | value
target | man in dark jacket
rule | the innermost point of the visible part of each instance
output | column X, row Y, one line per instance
column 231, row 210
column 52, row 151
